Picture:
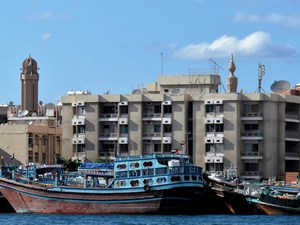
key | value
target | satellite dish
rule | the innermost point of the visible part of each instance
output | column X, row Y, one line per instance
column 23, row 113
column 34, row 114
column 280, row 86
column 136, row 91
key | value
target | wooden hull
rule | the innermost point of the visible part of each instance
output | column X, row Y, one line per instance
column 277, row 206
column 275, row 210
column 26, row 198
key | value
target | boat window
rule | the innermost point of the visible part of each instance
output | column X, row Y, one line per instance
column 161, row 171
column 121, row 174
column 148, row 172
column 134, row 183
column 134, row 173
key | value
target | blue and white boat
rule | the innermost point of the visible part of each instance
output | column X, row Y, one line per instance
column 157, row 183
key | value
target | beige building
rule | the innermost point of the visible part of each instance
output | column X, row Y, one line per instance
column 256, row 133
column 30, row 132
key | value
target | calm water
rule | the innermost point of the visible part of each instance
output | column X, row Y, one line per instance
column 29, row 219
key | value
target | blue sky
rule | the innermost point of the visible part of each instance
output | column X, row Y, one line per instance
column 116, row 45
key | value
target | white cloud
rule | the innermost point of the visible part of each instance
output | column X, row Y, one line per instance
column 255, row 45
column 46, row 36
column 290, row 21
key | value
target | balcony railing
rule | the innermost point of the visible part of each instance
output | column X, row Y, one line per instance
column 108, row 115
column 145, row 135
column 292, row 134
column 292, row 116
column 251, row 173
column 108, row 134
column 252, row 133
column 292, row 154
column 252, row 114
column 251, row 154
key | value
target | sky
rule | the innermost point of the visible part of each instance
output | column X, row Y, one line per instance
column 116, row 46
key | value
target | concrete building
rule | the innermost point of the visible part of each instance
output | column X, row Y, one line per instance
column 256, row 133
column 30, row 132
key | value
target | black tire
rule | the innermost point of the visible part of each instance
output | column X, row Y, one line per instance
column 147, row 187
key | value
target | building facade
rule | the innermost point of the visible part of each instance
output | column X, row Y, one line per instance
column 30, row 132
column 257, row 134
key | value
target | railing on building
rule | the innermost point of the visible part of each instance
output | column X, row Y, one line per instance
column 253, row 133
column 292, row 134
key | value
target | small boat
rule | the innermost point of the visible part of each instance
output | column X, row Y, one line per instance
column 278, row 200
column 145, row 184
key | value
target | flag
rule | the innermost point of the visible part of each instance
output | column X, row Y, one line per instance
column 12, row 157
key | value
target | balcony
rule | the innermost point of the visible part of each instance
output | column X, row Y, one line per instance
column 251, row 155
column 251, row 175
column 292, row 117
column 108, row 137
column 252, row 135
column 108, row 117
column 152, row 136
column 152, row 117
column 292, row 156
column 291, row 136
column 252, row 116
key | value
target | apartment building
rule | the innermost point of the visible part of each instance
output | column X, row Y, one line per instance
column 256, row 134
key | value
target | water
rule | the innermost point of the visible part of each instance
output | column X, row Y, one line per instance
column 29, row 219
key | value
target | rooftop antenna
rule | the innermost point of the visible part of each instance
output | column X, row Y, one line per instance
column 261, row 73
column 162, row 63
column 216, row 68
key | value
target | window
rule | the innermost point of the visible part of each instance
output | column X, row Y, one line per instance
column 249, row 147
column 124, row 109
column 251, row 166
column 167, row 108
column 124, row 129
column 156, row 128
column 157, row 109
column 250, row 108
column 251, row 126
column 167, row 128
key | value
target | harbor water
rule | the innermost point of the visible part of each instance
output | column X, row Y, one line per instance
column 29, row 219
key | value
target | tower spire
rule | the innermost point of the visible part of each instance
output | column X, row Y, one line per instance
column 232, row 80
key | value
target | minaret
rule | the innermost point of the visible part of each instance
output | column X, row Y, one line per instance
column 29, row 85
column 232, row 81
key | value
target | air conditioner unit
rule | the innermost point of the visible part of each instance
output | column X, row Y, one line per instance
column 218, row 102
column 208, row 102
column 123, row 103
column 167, row 103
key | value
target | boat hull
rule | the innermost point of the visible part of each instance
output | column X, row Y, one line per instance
column 271, row 205
column 275, row 210
column 27, row 198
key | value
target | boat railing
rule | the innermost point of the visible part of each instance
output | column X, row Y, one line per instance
column 179, row 170
column 150, row 156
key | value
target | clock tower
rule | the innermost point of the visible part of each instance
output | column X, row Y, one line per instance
column 29, row 86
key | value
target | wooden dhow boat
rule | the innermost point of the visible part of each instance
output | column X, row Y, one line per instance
column 145, row 184
column 278, row 201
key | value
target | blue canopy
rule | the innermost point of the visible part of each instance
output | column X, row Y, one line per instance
column 96, row 165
